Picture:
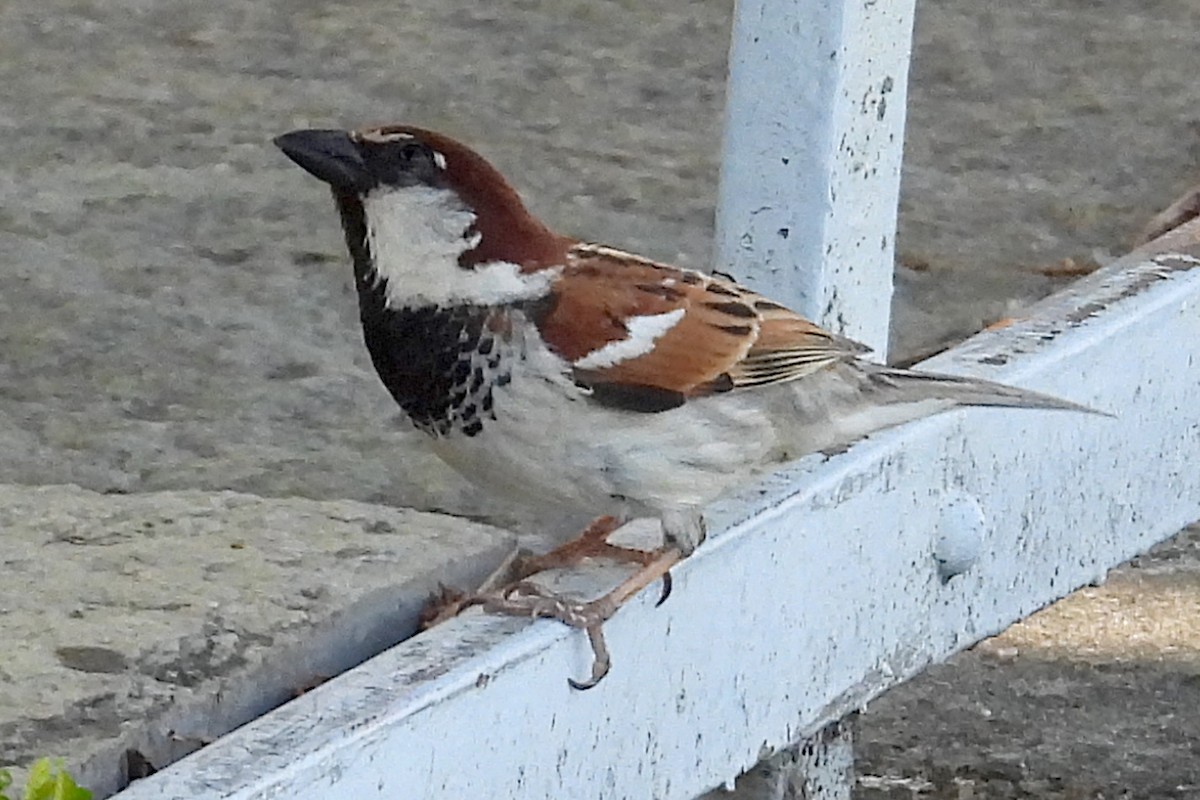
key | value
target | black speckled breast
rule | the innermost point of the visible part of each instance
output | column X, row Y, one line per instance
column 440, row 364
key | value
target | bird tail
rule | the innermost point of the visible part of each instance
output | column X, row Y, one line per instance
column 915, row 386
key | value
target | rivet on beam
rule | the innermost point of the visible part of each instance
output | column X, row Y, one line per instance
column 960, row 533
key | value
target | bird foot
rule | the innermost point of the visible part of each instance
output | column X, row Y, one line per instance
column 445, row 603
column 448, row 602
column 527, row 599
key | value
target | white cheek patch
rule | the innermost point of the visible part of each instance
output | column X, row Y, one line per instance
column 643, row 333
column 416, row 236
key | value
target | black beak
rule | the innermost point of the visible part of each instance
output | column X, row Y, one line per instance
column 328, row 155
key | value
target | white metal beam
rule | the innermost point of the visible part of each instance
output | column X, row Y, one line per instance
column 818, row 588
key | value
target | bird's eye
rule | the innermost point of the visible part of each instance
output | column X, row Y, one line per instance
column 411, row 153
column 403, row 162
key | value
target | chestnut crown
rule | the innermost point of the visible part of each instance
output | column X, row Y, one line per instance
column 390, row 158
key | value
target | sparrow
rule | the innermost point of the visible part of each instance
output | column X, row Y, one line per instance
column 573, row 375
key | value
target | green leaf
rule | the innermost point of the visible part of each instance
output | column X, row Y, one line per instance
column 6, row 780
column 49, row 780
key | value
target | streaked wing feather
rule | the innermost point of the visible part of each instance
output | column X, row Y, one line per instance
column 727, row 338
column 790, row 347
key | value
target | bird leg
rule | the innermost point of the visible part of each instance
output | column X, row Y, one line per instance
column 591, row 543
column 527, row 599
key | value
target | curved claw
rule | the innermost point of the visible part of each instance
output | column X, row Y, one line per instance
column 442, row 605
column 528, row 599
column 666, row 590
column 601, row 663
column 583, row 686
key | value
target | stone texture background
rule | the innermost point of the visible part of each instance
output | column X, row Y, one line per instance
column 175, row 313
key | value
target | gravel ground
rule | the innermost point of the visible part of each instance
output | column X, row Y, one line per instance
column 175, row 313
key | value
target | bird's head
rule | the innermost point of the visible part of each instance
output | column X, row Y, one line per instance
column 423, row 195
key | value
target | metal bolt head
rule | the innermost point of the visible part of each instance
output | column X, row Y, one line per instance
column 960, row 535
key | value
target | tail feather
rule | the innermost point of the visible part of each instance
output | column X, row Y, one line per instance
column 861, row 398
column 915, row 386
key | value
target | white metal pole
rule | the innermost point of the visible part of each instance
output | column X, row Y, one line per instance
column 810, row 173
column 810, row 185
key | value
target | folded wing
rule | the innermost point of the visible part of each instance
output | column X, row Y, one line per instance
column 648, row 336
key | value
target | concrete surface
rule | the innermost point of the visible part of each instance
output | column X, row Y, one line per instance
column 149, row 624
column 175, row 313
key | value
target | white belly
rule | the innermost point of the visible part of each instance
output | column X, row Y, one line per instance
column 552, row 447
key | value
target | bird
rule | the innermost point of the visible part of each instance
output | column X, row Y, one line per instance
column 572, row 375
